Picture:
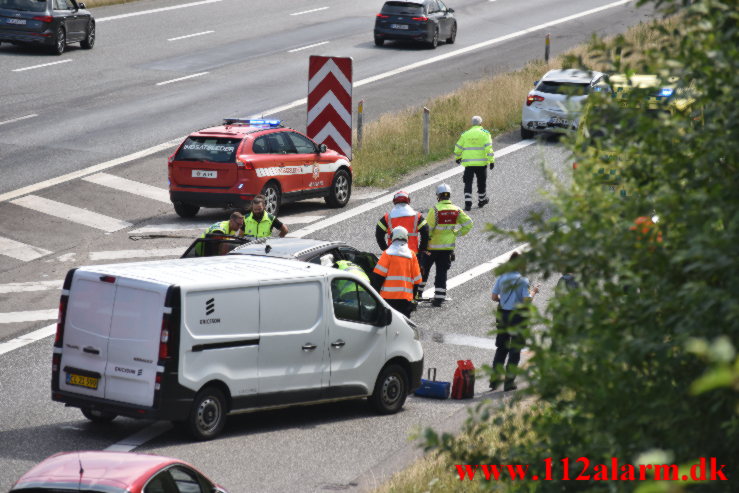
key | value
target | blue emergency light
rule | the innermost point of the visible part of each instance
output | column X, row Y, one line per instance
column 252, row 122
column 665, row 92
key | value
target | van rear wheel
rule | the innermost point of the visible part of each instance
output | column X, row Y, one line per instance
column 391, row 390
column 99, row 417
column 208, row 414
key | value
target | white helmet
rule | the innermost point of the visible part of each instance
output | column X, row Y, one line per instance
column 443, row 188
column 400, row 233
column 327, row 260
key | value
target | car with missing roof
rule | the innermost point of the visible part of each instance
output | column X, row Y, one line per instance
column 555, row 103
column 114, row 472
column 227, row 165
column 428, row 21
column 50, row 23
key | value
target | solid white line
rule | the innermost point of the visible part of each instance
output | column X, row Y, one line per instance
column 484, row 44
column 308, row 47
column 20, row 251
column 154, row 11
column 42, row 65
column 141, row 437
column 465, row 340
column 367, row 194
column 24, row 287
column 385, row 199
column 152, row 228
column 180, row 78
column 309, row 11
column 130, row 186
column 19, row 119
column 300, row 219
column 29, row 316
column 190, row 36
column 19, row 342
column 71, row 213
column 124, row 254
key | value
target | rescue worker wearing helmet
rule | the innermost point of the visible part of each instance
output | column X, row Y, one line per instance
column 397, row 275
column 402, row 214
column 446, row 222
column 474, row 151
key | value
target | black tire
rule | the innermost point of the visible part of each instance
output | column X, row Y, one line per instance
column 527, row 134
column 453, row 35
column 98, row 417
column 208, row 414
column 186, row 210
column 379, row 41
column 391, row 390
column 434, row 39
column 341, row 189
column 60, row 41
column 272, row 198
column 89, row 41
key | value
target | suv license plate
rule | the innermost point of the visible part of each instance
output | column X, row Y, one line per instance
column 20, row 22
column 82, row 381
column 398, row 26
column 197, row 173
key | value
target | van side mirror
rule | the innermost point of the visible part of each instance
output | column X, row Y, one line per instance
column 322, row 148
column 385, row 317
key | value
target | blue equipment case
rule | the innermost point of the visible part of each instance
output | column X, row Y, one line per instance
column 433, row 389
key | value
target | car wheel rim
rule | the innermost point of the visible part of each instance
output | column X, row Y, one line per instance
column 454, row 33
column 91, row 35
column 342, row 188
column 391, row 390
column 435, row 41
column 270, row 196
column 209, row 414
column 60, row 41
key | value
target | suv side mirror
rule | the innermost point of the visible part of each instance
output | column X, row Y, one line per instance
column 322, row 148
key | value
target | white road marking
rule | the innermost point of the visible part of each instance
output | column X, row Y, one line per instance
column 71, row 213
column 124, row 254
column 160, row 228
column 29, row 316
column 367, row 194
column 20, row 251
column 130, row 186
column 154, row 11
column 141, row 437
column 19, row 342
column 42, row 65
column 19, row 119
column 300, row 219
column 308, row 47
column 180, row 78
column 88, row 171
column 465, row 340
column 309, row 11
column 190, row 35
column 24, row 287
column 385, row 199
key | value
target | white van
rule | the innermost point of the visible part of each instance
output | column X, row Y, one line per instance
column 192, row 340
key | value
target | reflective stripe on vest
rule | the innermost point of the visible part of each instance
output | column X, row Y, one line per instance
column 410, row 223
column 403, row 273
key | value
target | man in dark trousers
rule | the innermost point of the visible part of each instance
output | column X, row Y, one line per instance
column 474, row 151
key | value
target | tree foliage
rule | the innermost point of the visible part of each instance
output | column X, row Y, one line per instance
column 642, row 357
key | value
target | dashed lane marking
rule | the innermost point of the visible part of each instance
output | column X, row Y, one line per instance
column 42, row 65
column 24, row 287
column 19, row 342
column 154, row 11
column 308, row 47
column 190, row 36
column 13, row 120
column 309, row 11
column 20, row 251
column 178, row 79
column 71, row 213
column 130, row 186
column 28, row 316
column 141, row 437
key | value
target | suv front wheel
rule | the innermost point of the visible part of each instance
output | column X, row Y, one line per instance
column 341, row 189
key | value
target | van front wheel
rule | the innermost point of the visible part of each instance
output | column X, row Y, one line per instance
column 99, row 417
column 208, row 414
column 391, row 389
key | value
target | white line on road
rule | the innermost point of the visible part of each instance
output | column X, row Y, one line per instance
column 141, row 437
column 124, row 254
column 308, row 47
column 42, row 65
column 71, row 213
column 20, row 251
column 154, row 11
column 163, row 228
column 24, row 287
column 19, row 342
column 301, row 219
column 130, row 186
column 309, row 11
column 19, row 119
column 29, row 316
column 190, row 35
column 180, row 78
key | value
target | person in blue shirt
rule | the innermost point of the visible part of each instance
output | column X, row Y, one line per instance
column 509, row 291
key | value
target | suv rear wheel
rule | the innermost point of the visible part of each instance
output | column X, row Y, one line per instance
column 341, row 189
column 60, row 42
column 526, row 134
column 186, row 210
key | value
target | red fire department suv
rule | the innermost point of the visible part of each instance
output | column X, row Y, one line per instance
column 227, row 165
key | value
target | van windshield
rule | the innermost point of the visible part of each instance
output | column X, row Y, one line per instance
column 215, row 149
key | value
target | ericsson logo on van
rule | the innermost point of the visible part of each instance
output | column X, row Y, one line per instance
column 210, row 307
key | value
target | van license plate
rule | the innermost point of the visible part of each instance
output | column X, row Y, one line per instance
column 197, row 173
column 82, row 381
column 398, row 26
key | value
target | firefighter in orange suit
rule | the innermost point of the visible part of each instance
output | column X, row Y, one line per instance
column 397, row 274
column 402, row 214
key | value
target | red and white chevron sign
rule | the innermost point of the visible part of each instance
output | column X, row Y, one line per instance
column 330, row 102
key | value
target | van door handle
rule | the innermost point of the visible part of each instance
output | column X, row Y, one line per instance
column 91, row 350
column 309, row 347
column 338, row 344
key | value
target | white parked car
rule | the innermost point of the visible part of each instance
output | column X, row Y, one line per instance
column 555, row 103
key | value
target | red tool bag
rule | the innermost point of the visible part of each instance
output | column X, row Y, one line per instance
column 463, row 385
